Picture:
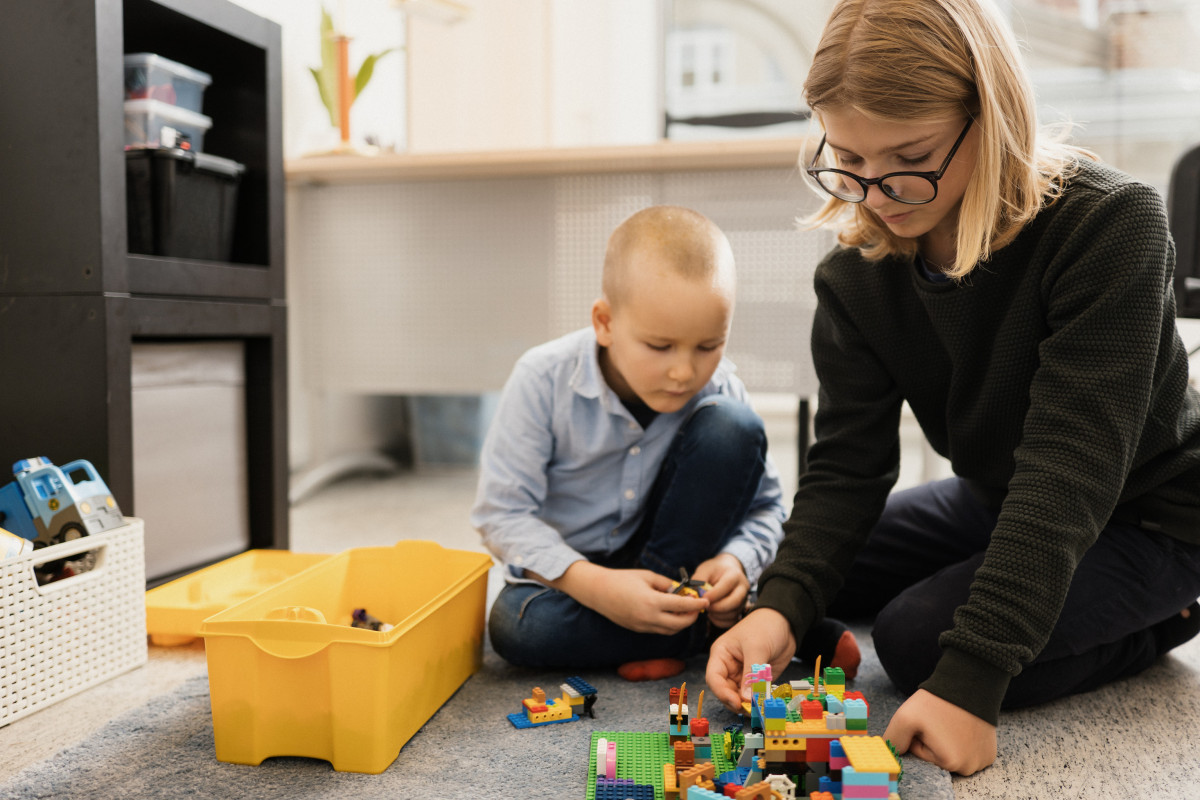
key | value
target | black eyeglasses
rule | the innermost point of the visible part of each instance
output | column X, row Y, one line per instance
column 912, row 188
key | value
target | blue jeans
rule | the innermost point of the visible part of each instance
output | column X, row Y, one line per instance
column 921, row 558
column 703, row 490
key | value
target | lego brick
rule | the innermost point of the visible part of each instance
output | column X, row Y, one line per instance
column 581, row 686
column 522, row 722
column 852, row 777
column 851, row 792
column 774, row 708
column 855, row 708
column 870, row 754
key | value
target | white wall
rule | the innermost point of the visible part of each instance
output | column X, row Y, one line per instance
column 513, row 74
column 536, row 73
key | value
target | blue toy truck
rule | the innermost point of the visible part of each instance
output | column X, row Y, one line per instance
column 49, row 505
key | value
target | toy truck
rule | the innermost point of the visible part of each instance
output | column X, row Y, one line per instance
column 49, row 505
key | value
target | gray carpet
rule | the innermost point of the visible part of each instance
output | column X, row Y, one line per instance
column 467, row 750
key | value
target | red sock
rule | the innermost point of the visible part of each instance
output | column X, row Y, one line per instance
column 847, row 655
column 654, row 669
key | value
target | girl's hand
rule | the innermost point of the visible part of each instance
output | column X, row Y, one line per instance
column 730, row 588
column 937, row 731
column 637, row 599
column 762, row 637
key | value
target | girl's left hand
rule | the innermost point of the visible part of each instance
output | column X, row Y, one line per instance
column 730, row 588
column 936, row 730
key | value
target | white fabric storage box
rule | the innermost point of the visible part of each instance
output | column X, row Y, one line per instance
column 189, row 452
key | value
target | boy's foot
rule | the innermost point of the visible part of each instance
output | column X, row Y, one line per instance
column 1177, row 629
column 834, row 643
column 651, row 669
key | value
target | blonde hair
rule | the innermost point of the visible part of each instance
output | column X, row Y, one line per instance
column 680, row 239
column 922, row 61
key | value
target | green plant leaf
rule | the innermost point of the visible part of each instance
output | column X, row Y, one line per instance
column 327, row 75
column 367, row 70
column 327, row 101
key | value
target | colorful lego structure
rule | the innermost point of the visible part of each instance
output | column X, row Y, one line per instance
column 801, row 739
column 578, row 697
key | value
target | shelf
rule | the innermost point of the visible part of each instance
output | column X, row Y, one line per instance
column 658, row 157
column 158, row 275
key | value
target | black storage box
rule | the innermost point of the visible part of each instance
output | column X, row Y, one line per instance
column 180, row 203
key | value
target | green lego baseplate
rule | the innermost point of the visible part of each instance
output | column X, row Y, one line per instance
column 641, row 755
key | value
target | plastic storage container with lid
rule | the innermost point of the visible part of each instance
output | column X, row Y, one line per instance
column 152, row 77
column 153, row 123
column 181, row 203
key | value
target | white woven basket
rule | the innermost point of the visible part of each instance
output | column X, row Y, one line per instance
column 59, row 639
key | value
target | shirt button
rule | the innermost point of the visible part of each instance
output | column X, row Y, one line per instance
column 630, row 494
column 633, row 451
column 518, row 560
column 633, row 426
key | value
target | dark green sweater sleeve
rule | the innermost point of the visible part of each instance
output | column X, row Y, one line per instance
column 850, row 468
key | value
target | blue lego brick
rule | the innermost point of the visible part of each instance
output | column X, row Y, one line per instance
column 622, row 789
column 581, row 686
column 855, row 709
column 520, row 721
column 852, row 777
column 774, row 708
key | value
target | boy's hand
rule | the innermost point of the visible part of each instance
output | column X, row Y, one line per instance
column 763, row 637
column 730, row 588
column 936, row 730
column 637, row 599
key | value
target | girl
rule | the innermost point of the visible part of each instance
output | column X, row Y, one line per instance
column 1017, row 294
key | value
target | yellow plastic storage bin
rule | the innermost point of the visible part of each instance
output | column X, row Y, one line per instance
column 289, row 676
column 175, row 610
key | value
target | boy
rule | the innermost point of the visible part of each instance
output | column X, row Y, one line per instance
column 624, row 452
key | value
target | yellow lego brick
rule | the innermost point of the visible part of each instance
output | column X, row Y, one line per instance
column 556, row 709
column 783, row 743
column 870, row 754
column 670, row 782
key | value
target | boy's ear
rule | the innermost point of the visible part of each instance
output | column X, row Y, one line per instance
column 602, row 322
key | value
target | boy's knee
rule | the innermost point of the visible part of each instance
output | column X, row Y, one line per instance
column 726, row 422
column 505, row 635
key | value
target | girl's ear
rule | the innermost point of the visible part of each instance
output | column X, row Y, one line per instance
column 602, row 322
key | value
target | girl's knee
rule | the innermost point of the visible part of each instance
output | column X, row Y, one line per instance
column 906, row 640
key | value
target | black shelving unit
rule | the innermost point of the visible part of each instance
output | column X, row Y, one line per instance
column 73, row 300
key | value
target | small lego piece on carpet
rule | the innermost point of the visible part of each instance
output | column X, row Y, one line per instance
column 652, row 669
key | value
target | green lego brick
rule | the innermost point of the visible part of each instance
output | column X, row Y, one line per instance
column 640, row 756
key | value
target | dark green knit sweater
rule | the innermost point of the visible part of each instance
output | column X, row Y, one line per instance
column 1053, row 379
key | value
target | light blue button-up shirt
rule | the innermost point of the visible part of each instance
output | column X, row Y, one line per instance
column 565, row 468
